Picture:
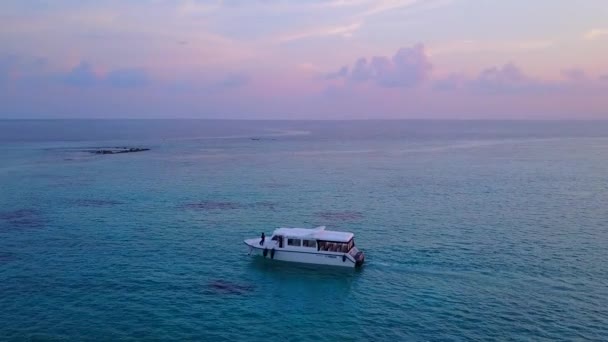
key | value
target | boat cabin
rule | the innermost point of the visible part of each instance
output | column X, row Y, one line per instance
column 317, row 239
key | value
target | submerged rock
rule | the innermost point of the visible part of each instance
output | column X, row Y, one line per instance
column 219, row 205
column 23, row 218
column 212, row 205
column 118, row 150
column 227, row 287
column 264, row 205
column 275, row 185
column 6, row 257
column 96, row 203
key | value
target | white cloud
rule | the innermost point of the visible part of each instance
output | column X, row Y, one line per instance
column 191, row 7
column 596, row 34
column 468, row 46
column 386, row 5
column 365, row 9
column 409, row 67
column 344, row 31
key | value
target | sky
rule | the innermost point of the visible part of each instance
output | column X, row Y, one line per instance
column 297, row 59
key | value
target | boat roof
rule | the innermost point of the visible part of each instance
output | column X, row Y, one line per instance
column 318, row 233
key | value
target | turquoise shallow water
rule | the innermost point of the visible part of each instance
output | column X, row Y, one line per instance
column 472, row 230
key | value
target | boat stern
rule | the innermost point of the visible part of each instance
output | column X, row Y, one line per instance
column 359, row 259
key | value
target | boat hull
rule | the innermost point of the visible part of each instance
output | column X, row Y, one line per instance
column 336, row 259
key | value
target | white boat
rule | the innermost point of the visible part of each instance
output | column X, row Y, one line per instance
column 311, row 246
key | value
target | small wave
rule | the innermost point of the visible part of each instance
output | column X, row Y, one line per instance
column 286, row 133
column 440, row 148
column 272, row 133
column 384, row 264
column 330, row 152
column 475, row 144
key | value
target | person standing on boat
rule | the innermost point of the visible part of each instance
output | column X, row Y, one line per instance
column 263, row 238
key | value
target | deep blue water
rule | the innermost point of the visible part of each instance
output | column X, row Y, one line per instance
column 473, row 230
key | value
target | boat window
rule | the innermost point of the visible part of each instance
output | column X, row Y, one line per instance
column 331, row 246
column 309, row 243
column 322, row 245
column 294, row 242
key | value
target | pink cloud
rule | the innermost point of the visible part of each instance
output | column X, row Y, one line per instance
column 574, row 74
column 497, row 80
column 85, row 75
column 409, row 67
column 451, row 82
column 341, row 73
column 15, row 68
column 508, row 78
column 368, row 89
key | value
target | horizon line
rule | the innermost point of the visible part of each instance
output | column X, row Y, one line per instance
column 308, row 120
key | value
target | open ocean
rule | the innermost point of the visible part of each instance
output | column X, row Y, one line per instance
column 472, row 230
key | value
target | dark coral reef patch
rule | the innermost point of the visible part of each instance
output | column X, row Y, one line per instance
column 212, row 205
column 6, row 257
column 96, row 203
column 223, row 287
column 22, row 218
column 117, row 150
column 227, row 205
column 264, row 205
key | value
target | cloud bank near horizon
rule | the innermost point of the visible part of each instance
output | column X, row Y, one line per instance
column 266, row 59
